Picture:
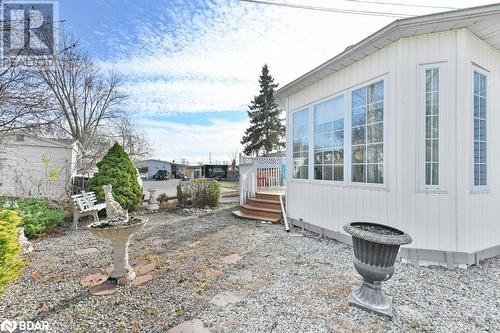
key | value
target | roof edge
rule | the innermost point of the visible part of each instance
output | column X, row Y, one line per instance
column 391, row 28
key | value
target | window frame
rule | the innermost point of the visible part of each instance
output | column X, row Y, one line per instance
column 384, row 184
column 292, row 170
column 347, row 93
column 480, row 188
column 421, row 91
column 313, row 106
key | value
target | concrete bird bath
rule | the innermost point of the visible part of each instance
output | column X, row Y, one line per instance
column 375, row 249
column 153, row 202
column 118, row 228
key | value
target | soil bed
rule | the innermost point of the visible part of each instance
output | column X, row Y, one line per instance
column 376, row 228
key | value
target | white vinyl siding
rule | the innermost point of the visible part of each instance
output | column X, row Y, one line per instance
column 453, row 216
column 432, row 126
column 329, row 140
column 301, row 144
column 367, row 136
column 480, row 142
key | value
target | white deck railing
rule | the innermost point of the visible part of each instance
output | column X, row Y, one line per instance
column 259, row 172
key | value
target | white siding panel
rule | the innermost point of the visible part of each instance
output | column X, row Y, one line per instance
column 430, row 217
column 483, row 217
column 25, row 174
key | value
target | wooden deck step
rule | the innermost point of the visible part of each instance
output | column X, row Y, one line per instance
column 268, row 196
column 240, row 214
column 252, row 210
column 263, row 203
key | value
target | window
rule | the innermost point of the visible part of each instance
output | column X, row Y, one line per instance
column 329, row 140
column 432, row 126
column 480, row 143
column 368, row 134
column 300, row 144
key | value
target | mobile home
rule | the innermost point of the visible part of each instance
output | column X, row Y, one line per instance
column 403, row 129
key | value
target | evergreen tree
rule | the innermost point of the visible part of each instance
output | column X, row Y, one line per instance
column 266, row 131
column 117, row 169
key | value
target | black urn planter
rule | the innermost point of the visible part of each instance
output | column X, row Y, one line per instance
column 375, row 249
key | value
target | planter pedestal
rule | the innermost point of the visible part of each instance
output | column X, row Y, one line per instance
column 119, row 237
column 375, row 249
column 152, row 202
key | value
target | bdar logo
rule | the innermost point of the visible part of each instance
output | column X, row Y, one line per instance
column 8, row 326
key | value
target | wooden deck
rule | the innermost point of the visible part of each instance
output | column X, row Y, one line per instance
column 265, row 206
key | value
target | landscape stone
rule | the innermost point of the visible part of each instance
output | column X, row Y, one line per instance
column 225, row 298
column 44, row 261
column 140, row 280
column 93, row 280
column 244, row 275
column 191, row 326
column 144, row 269
column 89, row 250
column 104, row 289
column 231, row 259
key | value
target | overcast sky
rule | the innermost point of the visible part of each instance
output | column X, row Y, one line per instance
column 191, row 66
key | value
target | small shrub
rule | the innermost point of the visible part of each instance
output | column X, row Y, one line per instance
column 199, row 193
column 117, row 169
column 163, row 198
column 10, row 264
column 183, row 194
column 38, row 217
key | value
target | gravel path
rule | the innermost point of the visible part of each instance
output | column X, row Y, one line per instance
column 233, row 275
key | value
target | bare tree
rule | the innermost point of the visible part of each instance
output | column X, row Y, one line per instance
column 18, row 101
column 133, row 140
column 23, row 102
column 85, row 98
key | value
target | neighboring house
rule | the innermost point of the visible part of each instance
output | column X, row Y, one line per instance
column 31, row 166
column 153, row 166
column 178, row 170
column 193, row 171
column 403, row 129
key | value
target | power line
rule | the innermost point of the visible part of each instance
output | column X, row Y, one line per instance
column 402, row 4
column 335, row 10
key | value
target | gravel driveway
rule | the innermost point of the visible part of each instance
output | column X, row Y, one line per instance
column 229, row 275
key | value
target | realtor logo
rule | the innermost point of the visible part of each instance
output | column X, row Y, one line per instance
column 23, row 326
column 8, row 326
column 28, row 28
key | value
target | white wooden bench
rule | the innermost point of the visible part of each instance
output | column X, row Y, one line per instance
column 85, row 204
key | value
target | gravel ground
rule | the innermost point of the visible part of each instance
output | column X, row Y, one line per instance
column 240, row 276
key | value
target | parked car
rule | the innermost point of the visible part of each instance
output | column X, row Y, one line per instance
column 161, row 175
column 79, row 183
column 214, row 177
